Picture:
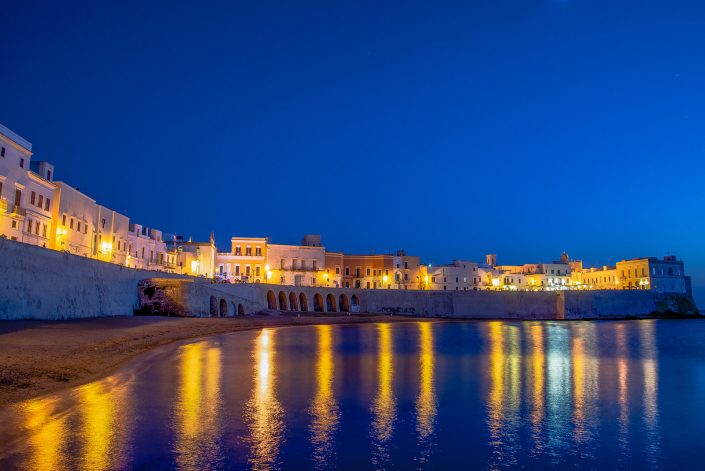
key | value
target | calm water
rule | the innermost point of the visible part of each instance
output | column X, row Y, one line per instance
column 415, row 395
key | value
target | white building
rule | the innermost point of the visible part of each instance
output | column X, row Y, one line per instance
column 26, row 196
column 459, row 276
column 146, row 247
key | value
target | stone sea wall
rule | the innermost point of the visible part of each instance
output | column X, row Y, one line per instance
column 38, row 283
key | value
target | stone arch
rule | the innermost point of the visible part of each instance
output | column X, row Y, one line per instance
column 330, row 303
column 303, row 302
column 282, row 301
column 344, row 303
column 213, row 307
column 271, row 300
column 317, row 302
column 240, row 310
column 293, row 305
column 223, row 308
column 354, row 303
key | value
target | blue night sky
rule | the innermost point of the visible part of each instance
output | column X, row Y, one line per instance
column 449, row 129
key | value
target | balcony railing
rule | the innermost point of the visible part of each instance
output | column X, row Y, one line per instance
column 19, row 211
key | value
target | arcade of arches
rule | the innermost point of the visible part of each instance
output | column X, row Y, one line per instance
column 300, row 302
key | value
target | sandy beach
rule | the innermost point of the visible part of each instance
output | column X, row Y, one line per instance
column 40, row 357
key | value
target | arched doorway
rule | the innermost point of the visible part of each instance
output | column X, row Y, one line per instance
column 318, row 303
column 214, row 307
column 303, row 302
column 240, row 310
column 271, row 300
column 354, row 303
column 282, row 301
column 344, row 303
column 292, row 302
column 223, row 308
column 330, row 303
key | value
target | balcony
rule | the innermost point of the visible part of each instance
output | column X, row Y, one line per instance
column 19, row 211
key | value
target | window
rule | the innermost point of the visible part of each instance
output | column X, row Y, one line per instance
column 71, row 223
column 257, row 268
column 433, row 279
column 337, row 270
column 18, row 197
column 314, row 265
column 103, row 225
column 41, row 201
column 22, row 163
column 49, row 175
column 44, row 231
column 368, row 272
column 238, row 250
column 33, row 198
column 248, row 251
column 237, row 270
column 2, row 152
column 347, row 271
column 406, row 264
column 36, row 228
column 247, row 270
column 258, row 251
column 29, row 225
column 79, row 226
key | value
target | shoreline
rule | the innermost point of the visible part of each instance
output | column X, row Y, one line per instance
column 43, row 357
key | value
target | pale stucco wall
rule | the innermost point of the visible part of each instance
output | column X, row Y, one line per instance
column 37, row 283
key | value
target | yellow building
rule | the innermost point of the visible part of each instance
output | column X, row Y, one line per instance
column 193, row 258
column 595, row 278
column 245, row 263
column 664, row 275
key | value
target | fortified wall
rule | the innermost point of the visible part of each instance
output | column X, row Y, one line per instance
column 37, row 283
column 193, row 298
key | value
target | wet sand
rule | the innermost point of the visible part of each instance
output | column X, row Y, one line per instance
column 40, row 357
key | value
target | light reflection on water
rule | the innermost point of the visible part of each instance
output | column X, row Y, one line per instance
column 535, row 394
column 264, row 412
column 324, row 409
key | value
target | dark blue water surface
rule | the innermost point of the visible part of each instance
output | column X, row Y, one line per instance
column 436, row 395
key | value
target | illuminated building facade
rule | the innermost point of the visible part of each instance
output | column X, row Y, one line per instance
column 665, row 275
column 35, row 209
column 192, row 258
column 458, row 276
column 368, row 271
column 26, row 196
column 246, row 262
